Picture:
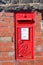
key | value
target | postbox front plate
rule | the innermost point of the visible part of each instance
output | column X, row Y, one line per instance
column 25, row 44
column 24, row 37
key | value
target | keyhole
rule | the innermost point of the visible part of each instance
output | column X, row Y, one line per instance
column 25, row 16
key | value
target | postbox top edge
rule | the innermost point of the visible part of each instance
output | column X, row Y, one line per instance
column 21, row 10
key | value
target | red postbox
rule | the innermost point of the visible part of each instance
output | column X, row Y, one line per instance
column 24, row 35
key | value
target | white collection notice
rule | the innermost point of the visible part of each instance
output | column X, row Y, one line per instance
column 24, row 33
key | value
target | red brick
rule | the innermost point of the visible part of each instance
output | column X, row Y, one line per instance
column 4, row 54
column 6, row 48
column 42, row 53
column 9, row 14
column 38, row 17
column 42, row 33
column 38, row 34
column 7, row 19
column 7, row 54
column 38, row 42
column 0, row 63
column 9, row 34
column 4, row 29
column 11, row 23
column 8, row 63
column 37, row 24
column 21, row 63
column 39, row 58
column 42, row 39
column 1, row 18
column 6, row 24
column 2, row 44
column 37, row 28
column 2, row 34
column 3, row 24
column 6, row 58
column 39, row 39
column 9, row 44
column 38, row 63
column 42, row 62
column 38, row 54
column 1, row 14
column 31, row 62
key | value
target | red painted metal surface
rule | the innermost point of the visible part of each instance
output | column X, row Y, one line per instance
column 24, row 40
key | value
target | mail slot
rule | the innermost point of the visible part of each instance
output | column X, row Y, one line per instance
column 24, row 35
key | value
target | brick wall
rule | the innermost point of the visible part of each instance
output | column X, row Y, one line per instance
column 7, row 49
column 6, row 38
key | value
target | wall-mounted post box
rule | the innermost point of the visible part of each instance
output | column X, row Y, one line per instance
column 24, row 35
